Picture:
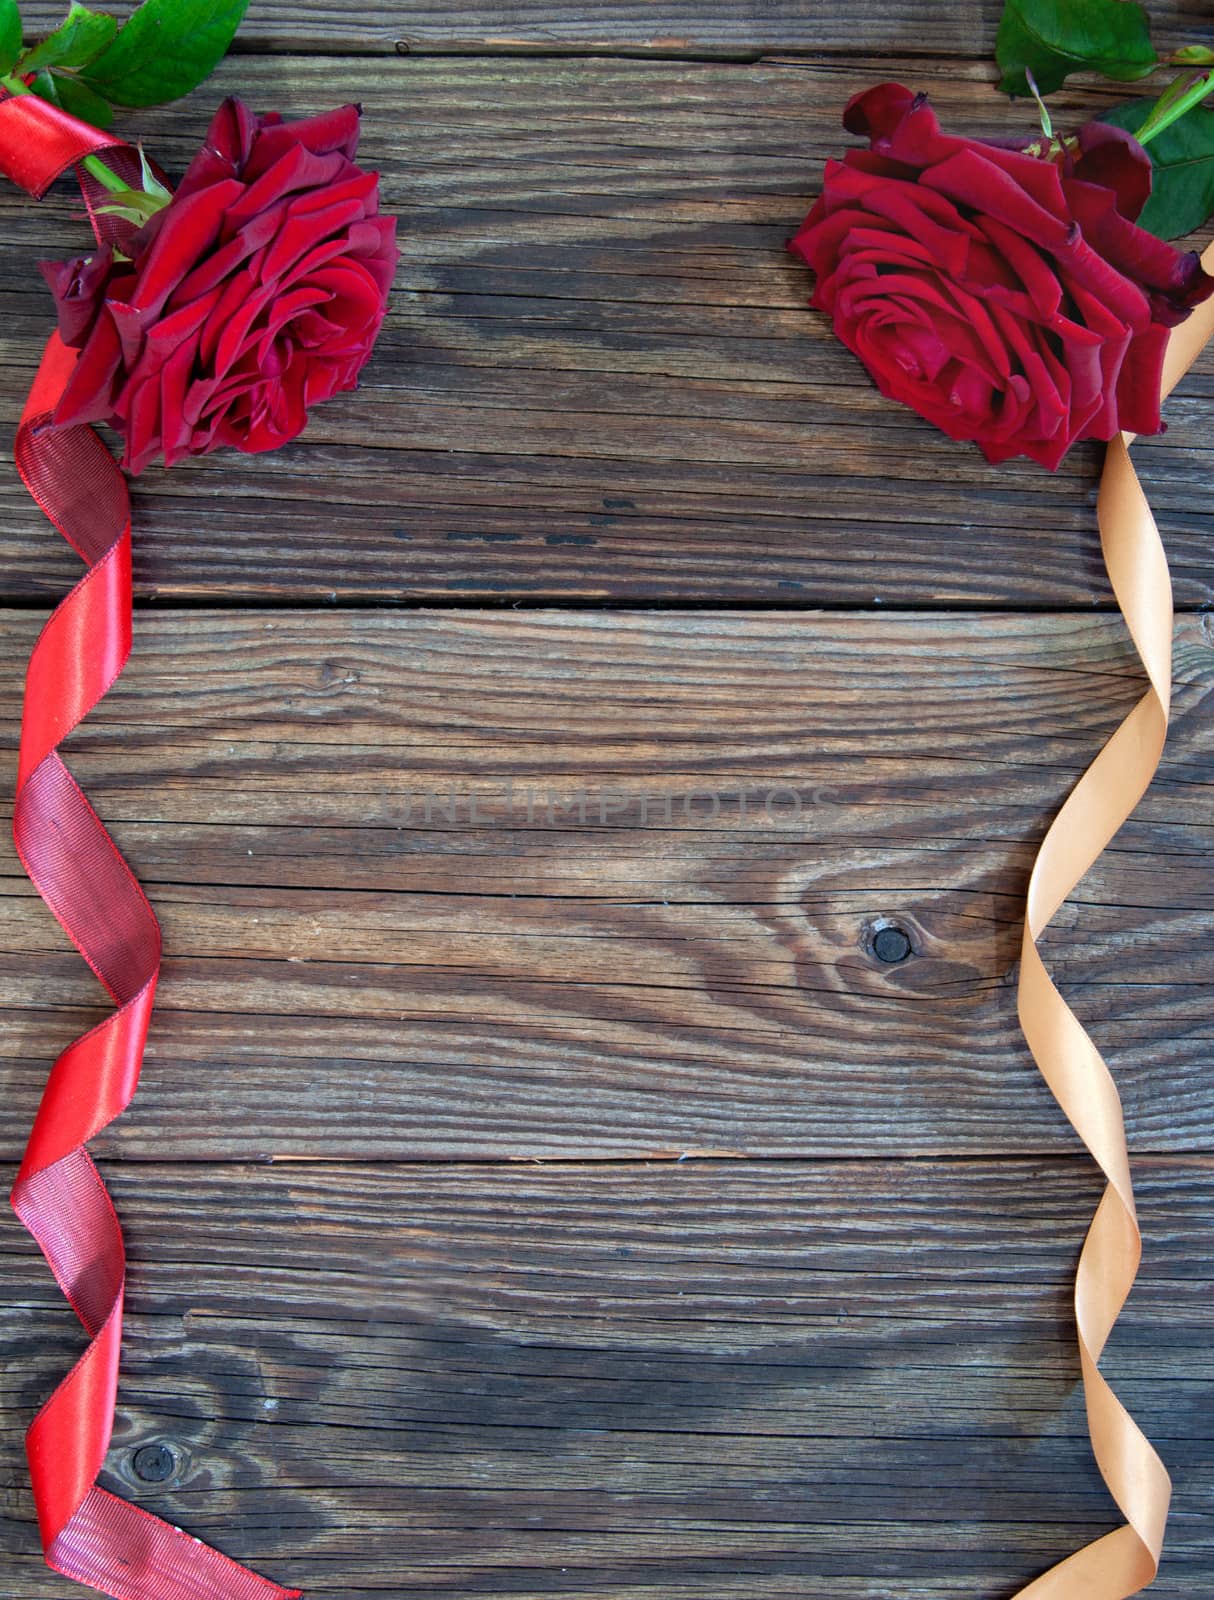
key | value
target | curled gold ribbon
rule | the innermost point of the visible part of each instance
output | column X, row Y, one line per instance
column 1124, row 1561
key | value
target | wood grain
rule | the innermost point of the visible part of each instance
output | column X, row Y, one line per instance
column 671, row 27
column 757, row 1379
column 448, row 1337
column 600, row 377
column 374, row 950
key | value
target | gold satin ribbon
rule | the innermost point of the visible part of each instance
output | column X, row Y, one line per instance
column 1126, row 1560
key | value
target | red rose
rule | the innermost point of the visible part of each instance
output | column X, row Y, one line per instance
column 1007, row 297
column 256, row 292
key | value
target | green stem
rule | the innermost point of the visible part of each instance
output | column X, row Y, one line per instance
column 1047, row 126
column 1170, row 107
column 108, row 180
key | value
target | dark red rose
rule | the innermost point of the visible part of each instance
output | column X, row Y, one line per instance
column 255, row 293
column 1005, row 295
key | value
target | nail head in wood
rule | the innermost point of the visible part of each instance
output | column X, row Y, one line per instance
column 153, row 1463
column 891, row 944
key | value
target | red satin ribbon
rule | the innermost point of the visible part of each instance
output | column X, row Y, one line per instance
column 87, row 1533
column 38, row 142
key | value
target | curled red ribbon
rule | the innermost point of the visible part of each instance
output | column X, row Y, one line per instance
column 87, row 1533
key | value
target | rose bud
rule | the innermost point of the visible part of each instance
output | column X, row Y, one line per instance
column 1005, row 294
column 255, row 293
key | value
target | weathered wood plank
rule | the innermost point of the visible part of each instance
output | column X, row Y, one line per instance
column 712, row 27
column 600, row 377
column 374, row 950
column 760, row 1379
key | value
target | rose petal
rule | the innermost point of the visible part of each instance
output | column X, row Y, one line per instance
column 88, row 395
column 190, row 228
column 333, row 131
column 78, row 287
column 967, row 179
column 1111, row 158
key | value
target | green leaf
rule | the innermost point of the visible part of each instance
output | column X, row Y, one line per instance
column 81, row 36
column 137, row 205
column 63, row 90
column 10, row 35
column 1182, row 191
column 1052, row 38
column 164, row 50
column 151, row 184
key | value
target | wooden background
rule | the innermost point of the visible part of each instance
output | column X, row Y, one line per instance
column 573, row 1205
